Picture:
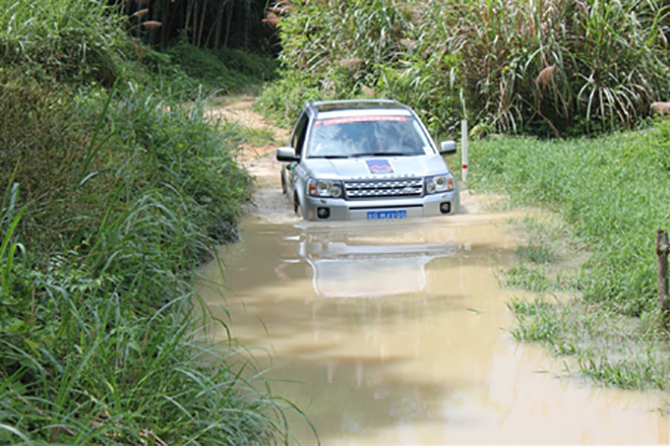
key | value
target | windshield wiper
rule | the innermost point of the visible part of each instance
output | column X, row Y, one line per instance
column 357, row 155
column 329, row 156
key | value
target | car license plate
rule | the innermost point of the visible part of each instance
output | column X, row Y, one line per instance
column 386, row 215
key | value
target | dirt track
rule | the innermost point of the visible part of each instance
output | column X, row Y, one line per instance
column 269, row 202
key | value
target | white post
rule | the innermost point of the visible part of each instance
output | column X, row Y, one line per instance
column 464, row 150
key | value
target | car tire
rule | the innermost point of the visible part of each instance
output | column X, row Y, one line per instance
column 296, row 206
column 283, row 181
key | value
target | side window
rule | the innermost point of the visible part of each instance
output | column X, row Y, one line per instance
column 299, row 134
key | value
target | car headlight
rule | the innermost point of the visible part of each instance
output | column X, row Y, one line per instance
column 439, row 184
column 324, row 189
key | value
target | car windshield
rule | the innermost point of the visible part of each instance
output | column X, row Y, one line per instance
column 352, row 136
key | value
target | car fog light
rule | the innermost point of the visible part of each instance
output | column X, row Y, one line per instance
column 445, row 207
column 323, row 212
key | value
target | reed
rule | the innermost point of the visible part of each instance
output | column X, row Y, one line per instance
column 551, row 67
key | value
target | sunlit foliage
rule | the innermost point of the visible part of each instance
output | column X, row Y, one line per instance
column 550, row 67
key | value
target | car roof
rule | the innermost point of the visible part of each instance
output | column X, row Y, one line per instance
column 357, row 104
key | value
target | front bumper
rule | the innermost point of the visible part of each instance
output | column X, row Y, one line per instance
column 339, row 209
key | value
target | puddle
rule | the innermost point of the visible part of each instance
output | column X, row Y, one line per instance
column 396, row 333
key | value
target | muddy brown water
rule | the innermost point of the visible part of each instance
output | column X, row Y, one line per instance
column 398, row 333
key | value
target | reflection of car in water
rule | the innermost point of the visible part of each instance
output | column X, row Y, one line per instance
column 373, row 260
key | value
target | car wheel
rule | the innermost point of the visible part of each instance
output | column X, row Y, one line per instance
column 296, row 206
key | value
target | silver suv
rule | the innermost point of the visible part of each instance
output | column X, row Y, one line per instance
column 366, row 160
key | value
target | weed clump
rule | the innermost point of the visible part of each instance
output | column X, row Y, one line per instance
column 612, row 194
column 555, row 68
column 111, row 200
column 613, row 204
column 186, row 68
column 111, row 191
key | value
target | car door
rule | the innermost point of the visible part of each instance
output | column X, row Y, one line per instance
column 297, row 142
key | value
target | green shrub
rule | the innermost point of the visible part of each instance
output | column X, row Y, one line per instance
column 205, row 67
column 113, row 198
column 69, row 40
column 225, row 70
column 613, row 190
column 257, row 67
column 159, row 143
column 283, row 99
column 551, row 68
column 43, row 144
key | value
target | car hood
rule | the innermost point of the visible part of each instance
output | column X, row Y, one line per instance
column 375, row 167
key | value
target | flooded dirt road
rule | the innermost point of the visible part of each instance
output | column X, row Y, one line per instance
column 397, row 333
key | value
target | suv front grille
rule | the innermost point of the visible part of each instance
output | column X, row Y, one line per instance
column 412, row 187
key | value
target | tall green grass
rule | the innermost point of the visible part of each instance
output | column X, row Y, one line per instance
column 100, row 346
column 112, row 200
column 332, row 49
column 612, row 193
column 558, row 64
column 66, row 39
column 114, row 190
column 553, row 67
column 613, row 190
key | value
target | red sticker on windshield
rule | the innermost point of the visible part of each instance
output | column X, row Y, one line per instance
column 351, row 119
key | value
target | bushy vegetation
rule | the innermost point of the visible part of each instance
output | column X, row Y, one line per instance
column 612, row 194
column 112, row 192
column 609, row 348
column 225, row 70
column 614, row 191
column 334, row 50
column 555, row 67
column 65, row 40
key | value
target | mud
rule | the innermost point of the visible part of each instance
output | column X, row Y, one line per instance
column 398, row 333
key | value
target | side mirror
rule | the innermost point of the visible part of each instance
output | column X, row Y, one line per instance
column 447, row 147
column 287, row 154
